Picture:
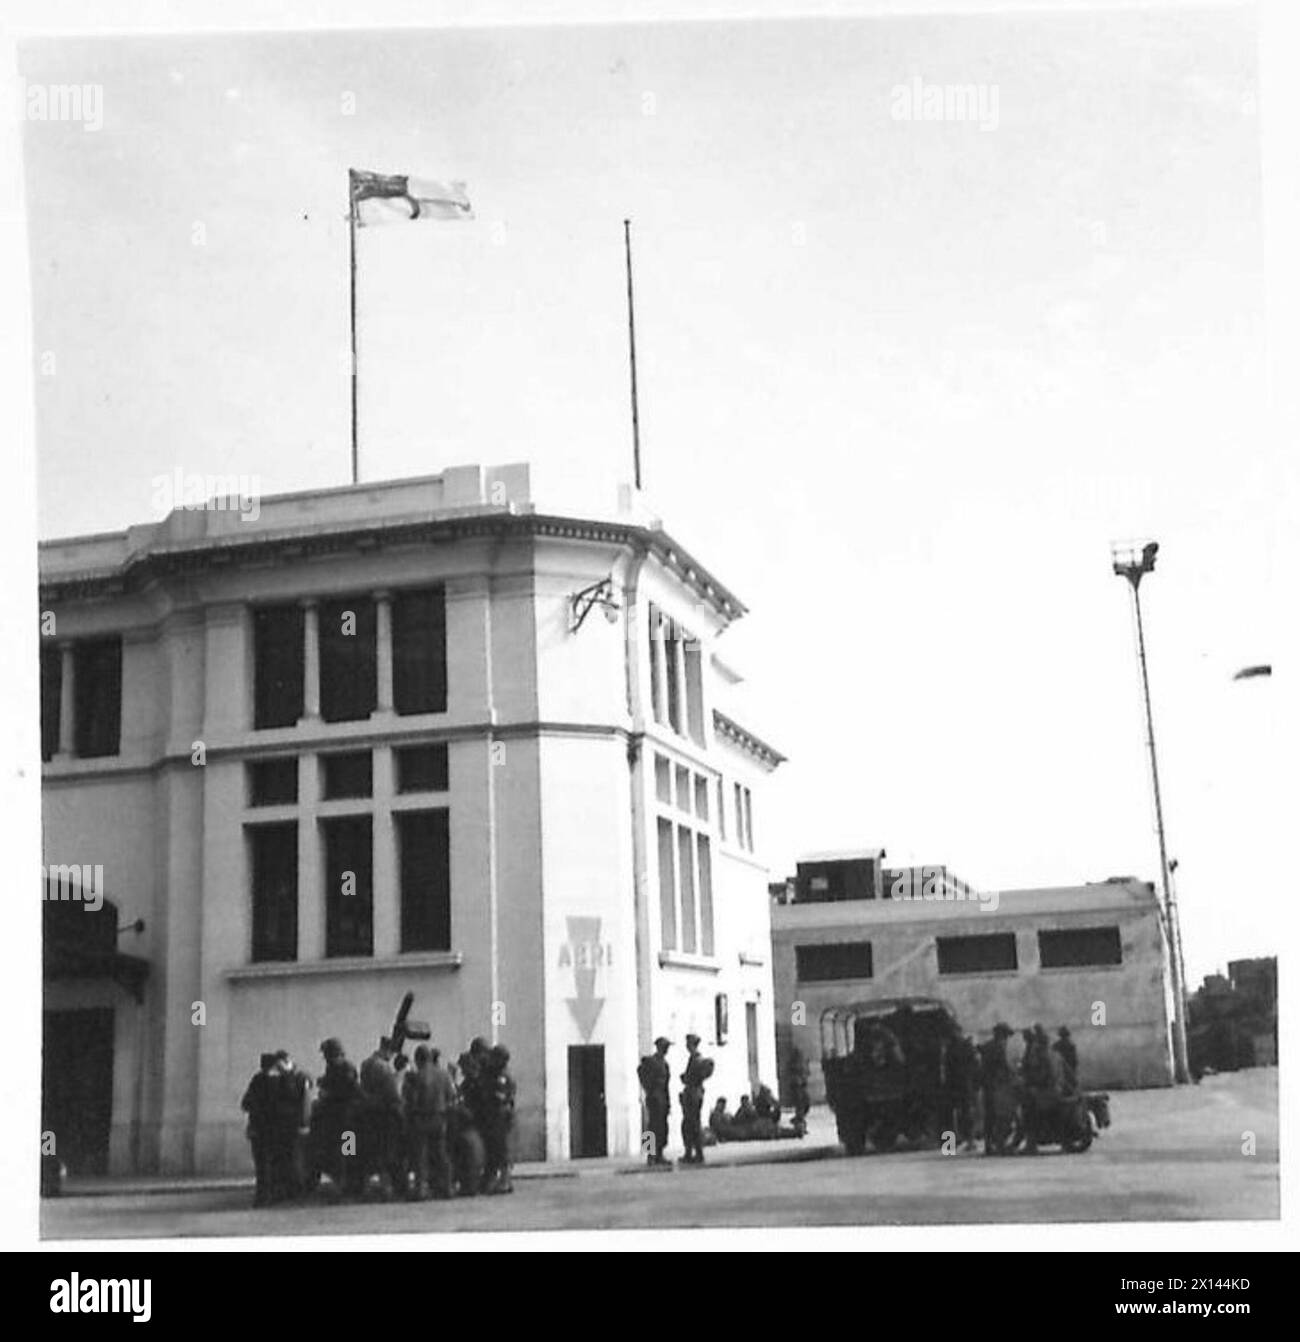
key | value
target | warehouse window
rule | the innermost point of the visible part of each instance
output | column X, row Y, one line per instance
column 51, row 692
column 97, row 690
column 1079, row 946
column 420, row 651
column 273, row 861
column 273, row 782
column 977, row 955
column 422, row 769
column 348, row 880
column 833, row 960
column 348, row 669
column 277, row 666
column 663, row 780
column 425, row 873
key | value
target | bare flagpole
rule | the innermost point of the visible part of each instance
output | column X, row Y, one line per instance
column 631, row 341
column 352, row 265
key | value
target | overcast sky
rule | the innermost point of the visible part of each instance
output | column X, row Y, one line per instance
column 902, row 382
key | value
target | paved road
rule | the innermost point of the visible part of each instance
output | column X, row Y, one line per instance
column 1169, row 1155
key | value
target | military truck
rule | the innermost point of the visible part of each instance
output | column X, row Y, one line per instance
column 885, row 1068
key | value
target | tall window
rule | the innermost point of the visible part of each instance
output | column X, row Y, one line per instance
column 349, row 928
column 420, row 651
column 667, row 887
column 348, row 668
column 694, row 660
column 97, row 689
column 425, row 877
column 656, row 681
column 685, row 862
column 672, row 657
column 277, row 666
column 744, row 818
column 273, row 861
column 51, row 693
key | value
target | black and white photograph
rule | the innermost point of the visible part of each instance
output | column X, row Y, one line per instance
column 652, row 625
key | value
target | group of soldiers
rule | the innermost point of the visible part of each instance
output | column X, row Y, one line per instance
column 655, row 1076
column 1048, row 1071
column 757, row 1118
column 424, row 1129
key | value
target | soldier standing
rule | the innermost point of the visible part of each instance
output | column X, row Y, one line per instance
column 257, row 1105
column 963, row 1088
column 799, row 1090
column 656, row 1077
column 698, row 1070
column 338, row 1093
column 290, row 1115
column 1069, row 1056
column 997, row 1077
column 499, row 1098
column 382, row 1101
column 428, row 1096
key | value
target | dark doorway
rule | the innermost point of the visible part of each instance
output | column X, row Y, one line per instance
column 77, row 1086
column 751, row 1042
column 587, row 1101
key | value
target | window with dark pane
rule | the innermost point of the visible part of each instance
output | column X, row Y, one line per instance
column 347, row 774
column 273, row 862
column 977, row 955
column 277, row 665
column 833, row 960
column 349, row 928
column 420, row 651
column 51, row 694
column 349, row 675
column 273, row 782
column 1068, row 948
column 422, row 768
column 424, row 856
column 97, row 690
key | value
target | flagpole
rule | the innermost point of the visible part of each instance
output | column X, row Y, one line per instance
column 352, row 267
column 631, row 341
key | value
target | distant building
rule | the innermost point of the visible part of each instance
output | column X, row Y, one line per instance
column 1089, row 957
column 351, row 742
column 1232, row 1018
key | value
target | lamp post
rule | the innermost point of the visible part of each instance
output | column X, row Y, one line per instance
column 1132, row 562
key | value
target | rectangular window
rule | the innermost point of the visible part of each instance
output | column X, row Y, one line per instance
column 740, row 815
column 832, row 961
column 97, row 689
column 348, row 668
column 722, row 809
column 706, row 893
column 694, row 659
column 420, row 651
column 277, row 666
column 683, row 788
column 51, row 695
column 422, row 769
column 686, row 880
column 656, row 681
column 348, row 893
column 749, row 820
column 702, row 797
column 667, row 887
column 347, row 774
column 663, row 780
column 273, row 782
column 1080, row 946
column 830, row 882
column 273, row 862
column 424, row 845
column 985, row 954
column 672, row 670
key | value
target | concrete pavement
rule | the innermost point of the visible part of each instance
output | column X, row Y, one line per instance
column 1177, row 1154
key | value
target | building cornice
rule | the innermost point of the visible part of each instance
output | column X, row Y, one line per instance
column 191, row 558
column 753, row 745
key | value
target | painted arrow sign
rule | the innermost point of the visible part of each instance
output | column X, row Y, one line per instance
column 585, row 952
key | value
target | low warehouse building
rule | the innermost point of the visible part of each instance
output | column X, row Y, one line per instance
column 1090, row 957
